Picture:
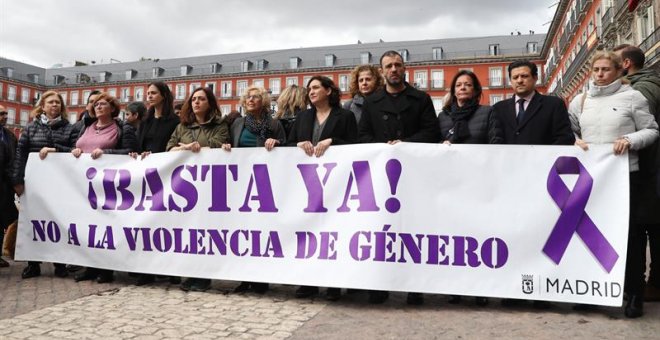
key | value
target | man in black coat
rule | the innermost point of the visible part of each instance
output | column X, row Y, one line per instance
column 397, row 113
column 530, row 117
column 8, row 212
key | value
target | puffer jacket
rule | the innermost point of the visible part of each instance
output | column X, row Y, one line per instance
column 36, row 136
column 211, row 134
column 483, row 125
column 613, row 111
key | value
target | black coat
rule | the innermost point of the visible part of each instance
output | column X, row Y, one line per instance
column 413, row 121
column 340, row 126
column 164, row 130
column 483, row 125
column 545, row 122
column 36, row 136
column 8, row 212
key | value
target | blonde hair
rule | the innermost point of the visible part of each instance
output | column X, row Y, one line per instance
column 609, row 55
column 265, row 98
column 354, row 87
column 39, row 108
column 292, row 100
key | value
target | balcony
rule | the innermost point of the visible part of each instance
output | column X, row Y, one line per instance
column 563, row 42
column 576, row 65
column 582, row 8
column 607, row 20
column 650, row 41
column 620, row 6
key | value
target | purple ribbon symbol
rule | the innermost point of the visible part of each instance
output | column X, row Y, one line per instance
column 573, row 218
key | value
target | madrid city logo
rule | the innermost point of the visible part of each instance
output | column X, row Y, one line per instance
column 528, row 284
column 573, row 218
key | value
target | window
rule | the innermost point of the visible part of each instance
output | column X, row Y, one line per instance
column 245, row 65
column 343, row 82
column 58, row 79
column 294, row 62
column 258, row 83
column 11, row 93
column 86, row 94
column 64, row 96
column 180, row 91
column 306, row 80
column 330, row 60
column 0, row 90
column 365, row 57
column 194, row 86
column 438, row 53
column 291, row 81
column 404, row 55
column 11, row 116
column 494, row 98
column 645, row 25
column 9, row 72
column 185, row 70
column 421, row 78
column 239, row 108
column 24, row 116
column 590, row 26
column 241, row 86
column 438, row 79
column 125, row 94
column 139, row 94
column 113, row 92
column 262, row 64
column 225, row 89
column 437, row 104
column 274, row 85
column 156, row 72
column 74, row 97
column 211, row 86
column 34, row 77
column 82, row 78
column 406, row 76
column 495, row 76
column 532, row 47
column 130, row 74
column 494, row 49
column 104, row 76
column 25, row 95
column 215, row 68
column 225, row 109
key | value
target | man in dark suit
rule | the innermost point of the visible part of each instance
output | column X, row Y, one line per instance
column 530, row 117
column 8, row 212
column 397, row 113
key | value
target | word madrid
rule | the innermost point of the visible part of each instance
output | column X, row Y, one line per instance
column 185, row 178
column 379, row 246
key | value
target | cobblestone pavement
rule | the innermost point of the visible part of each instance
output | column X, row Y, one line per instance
column 53, row 308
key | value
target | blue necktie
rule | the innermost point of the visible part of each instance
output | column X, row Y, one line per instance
column 521, row 110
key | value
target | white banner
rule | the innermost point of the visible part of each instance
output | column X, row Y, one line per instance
column 531, row 222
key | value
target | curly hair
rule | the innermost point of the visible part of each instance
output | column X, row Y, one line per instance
column 354, row 87
column 265, row 98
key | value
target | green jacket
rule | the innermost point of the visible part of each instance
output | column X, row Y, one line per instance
column 647, row 82
column 212, row 134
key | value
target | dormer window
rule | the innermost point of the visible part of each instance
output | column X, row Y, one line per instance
column 156, row 72
column 130, row 74
column 438, row 53
column 330, row 60
column 294, row 62
column 104, row 76
column 404, row 55
column 215, row 68
column 185, row 70
column 262, row 64
column 246, row 65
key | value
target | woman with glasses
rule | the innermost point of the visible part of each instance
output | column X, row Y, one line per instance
column 256, row 129
column 48, row 132
column 106, row 135
column 201, row 127
column 325, row 124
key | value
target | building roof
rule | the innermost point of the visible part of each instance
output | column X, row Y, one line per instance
column 309, row 58
column 21, row 71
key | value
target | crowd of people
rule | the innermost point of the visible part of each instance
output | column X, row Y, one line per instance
column 620, row 108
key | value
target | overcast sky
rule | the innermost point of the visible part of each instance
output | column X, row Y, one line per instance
column 45, row 32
